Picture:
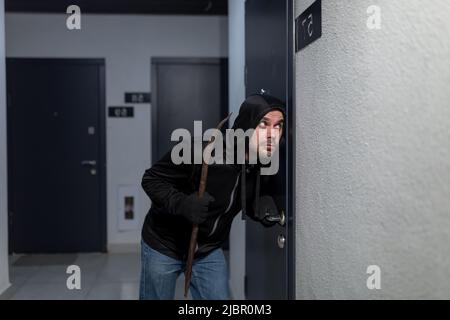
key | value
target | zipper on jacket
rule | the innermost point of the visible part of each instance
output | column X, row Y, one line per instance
column 216, row 222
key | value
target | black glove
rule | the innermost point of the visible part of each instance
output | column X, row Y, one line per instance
column 267, row 209
column 195, row 209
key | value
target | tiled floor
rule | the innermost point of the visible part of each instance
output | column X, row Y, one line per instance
column 103, row 276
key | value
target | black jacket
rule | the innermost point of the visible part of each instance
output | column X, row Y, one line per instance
column 167, row 184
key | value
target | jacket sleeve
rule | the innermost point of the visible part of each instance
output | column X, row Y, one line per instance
column 163, row 183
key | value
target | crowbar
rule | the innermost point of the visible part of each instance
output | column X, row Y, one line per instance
column 201, row 191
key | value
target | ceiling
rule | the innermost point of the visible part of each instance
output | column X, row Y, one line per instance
column 186, row 7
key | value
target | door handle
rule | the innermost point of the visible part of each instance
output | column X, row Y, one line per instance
column 281, row 218
column 88, row 163
column 92, row 164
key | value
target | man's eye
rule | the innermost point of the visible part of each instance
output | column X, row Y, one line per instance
column 262, row 124
column 278, row 126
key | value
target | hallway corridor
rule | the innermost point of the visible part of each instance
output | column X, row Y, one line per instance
column 329, row 178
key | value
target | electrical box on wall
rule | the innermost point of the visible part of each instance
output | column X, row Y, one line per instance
column 127, row 205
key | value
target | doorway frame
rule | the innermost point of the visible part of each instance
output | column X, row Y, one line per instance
column 291, row 159
column 100, row 62
column 157, row 61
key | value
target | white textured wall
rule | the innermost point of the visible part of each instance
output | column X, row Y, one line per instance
column 373, row 152
column 236, row 65
column 127, row 43
column 4, row 276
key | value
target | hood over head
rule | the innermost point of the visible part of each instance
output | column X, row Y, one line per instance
column 254, row 108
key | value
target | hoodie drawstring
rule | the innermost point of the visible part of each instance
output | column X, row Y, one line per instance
column 243, row 191
column 256, row 199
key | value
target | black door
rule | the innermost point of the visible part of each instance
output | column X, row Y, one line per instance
column 56, row 155
column 269, row 251
column 184, row 90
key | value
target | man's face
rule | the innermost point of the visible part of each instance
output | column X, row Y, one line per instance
column 267, row 134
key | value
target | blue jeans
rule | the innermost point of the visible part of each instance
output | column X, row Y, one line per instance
column 159, row 275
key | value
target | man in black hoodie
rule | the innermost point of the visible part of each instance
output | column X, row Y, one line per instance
column 230, row 188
